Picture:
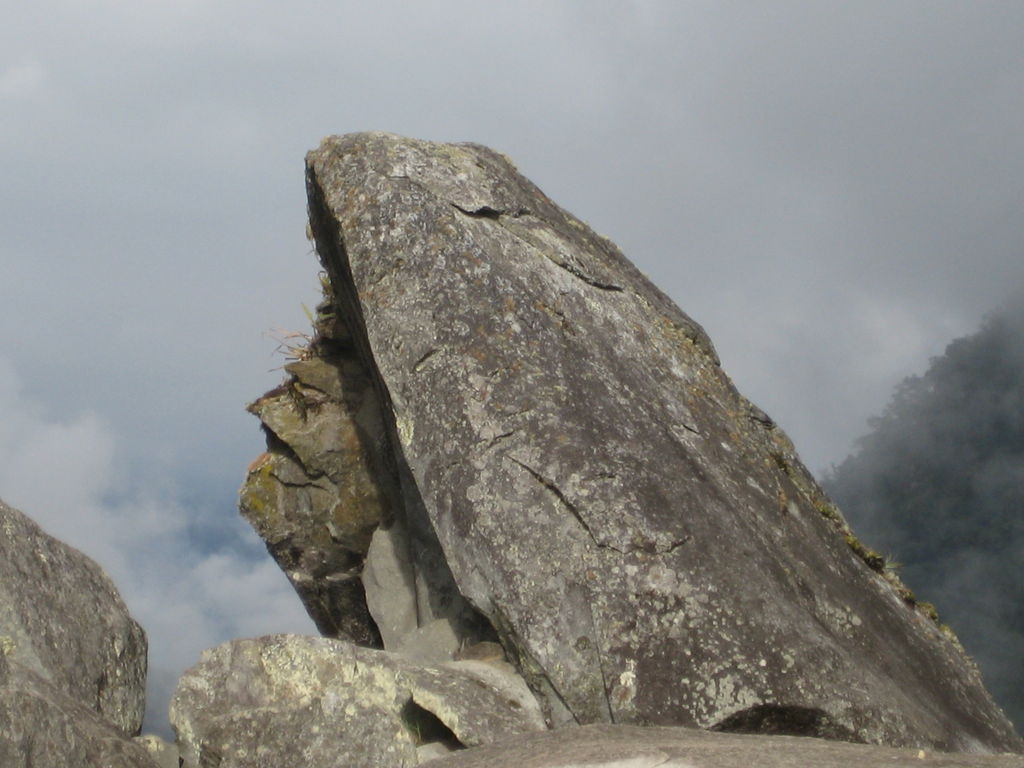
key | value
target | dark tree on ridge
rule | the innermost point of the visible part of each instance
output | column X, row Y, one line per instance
column 938, row 485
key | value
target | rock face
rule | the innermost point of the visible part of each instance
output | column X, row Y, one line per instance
column 313, row 496
column 72, row 660
column 623, row 746
column 289, row 700
column 504, row 433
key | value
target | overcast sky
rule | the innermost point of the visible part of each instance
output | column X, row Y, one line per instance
column 833, row 189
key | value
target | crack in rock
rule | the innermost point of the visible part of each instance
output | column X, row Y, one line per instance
column 419, row 364
column 487, row 212
column 578, row 273
column 558, row 494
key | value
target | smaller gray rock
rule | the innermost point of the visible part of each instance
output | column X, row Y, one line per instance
column 321, row 703
column 41, row 726
column 390, row 585
column 163, row 753
column 411, row 623
column 433, row 643
column 624, row 746
column 432, row 751
column 485, row 651
column 62, row 618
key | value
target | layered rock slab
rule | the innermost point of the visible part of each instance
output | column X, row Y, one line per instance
column 644, row 541
column 292, row 700
column 62, row 618
column 619, row 746
column 314, row 496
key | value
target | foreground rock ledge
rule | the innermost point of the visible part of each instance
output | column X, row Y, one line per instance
column 550, row 446
column 619, row 746
column 317, row 702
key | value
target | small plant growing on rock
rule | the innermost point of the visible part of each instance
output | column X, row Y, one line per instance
column 294, row 345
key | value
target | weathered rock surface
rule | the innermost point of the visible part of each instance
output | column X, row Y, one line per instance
column 63, row 619
column 623, row 746
column 556, row 461
column 41, row 726
column 320, row 702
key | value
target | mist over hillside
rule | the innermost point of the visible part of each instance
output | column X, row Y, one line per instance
column 938, row 485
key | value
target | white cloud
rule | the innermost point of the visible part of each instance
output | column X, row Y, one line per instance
column 64, row 475
column 21, row 80
column 78, row 454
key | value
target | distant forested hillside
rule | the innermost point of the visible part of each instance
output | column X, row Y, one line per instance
column 938, row 485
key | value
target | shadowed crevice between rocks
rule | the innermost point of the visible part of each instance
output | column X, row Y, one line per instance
column 785, row 720
column 424, row 727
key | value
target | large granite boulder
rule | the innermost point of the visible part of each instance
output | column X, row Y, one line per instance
column 62, row 618
column 320, row 703
column 502, row 432
column 624, row 746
